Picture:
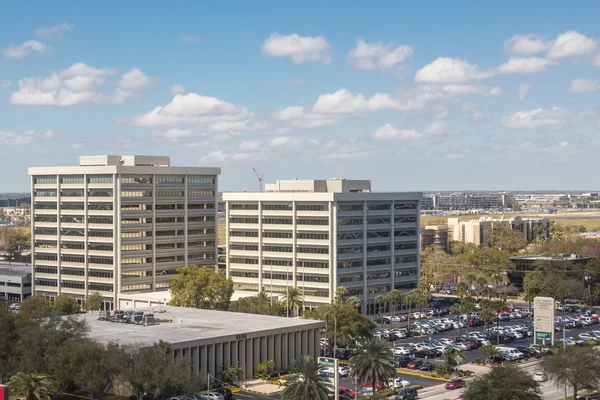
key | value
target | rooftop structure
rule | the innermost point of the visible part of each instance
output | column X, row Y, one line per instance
column 15, row 281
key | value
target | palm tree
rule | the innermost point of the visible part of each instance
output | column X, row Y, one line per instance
column 452, row 358
column 490, row 351
column 305, row 383
column 293, row 299
column 229, row 372
column 32, row 386
column 381, row 301
column 394, row 297
column 374, row 363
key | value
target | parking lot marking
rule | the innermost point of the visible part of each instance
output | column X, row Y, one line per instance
column 403, row 371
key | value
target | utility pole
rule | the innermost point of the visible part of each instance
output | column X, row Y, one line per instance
column 356, row 387
column 564, row 348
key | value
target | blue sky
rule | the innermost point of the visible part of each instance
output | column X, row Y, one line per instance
column 421, row 96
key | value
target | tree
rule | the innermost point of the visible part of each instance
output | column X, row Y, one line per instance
column 230, row 372
column 394, row 297
column 263, row 369
column 501, row 383
column 293, row 299
column 437, row 266
column 502, row 237
column 380, row 301
column 153, row 372
column 201, row 287
column 452, row 358
column 35, row 307
column 33, row 386
column 417, row 297
column 93, row 302
column 374, row 363
column 65, row 305
column 13, row 242
column 258, row 304
column 305, row 383
column 575, row 366
column 490, row 351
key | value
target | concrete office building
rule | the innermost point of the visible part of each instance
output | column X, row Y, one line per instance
column 119, row 224
column 318, row 235
column 15, row 281
column 476, row 230
column 213, row 339
column 434, row 235
column 523, row 264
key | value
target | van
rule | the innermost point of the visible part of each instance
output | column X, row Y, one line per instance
column 510, row 353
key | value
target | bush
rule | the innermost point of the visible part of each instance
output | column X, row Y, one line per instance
column 477, row 361
column 383, row 394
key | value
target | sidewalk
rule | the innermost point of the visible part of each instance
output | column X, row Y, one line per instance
column 258, row 386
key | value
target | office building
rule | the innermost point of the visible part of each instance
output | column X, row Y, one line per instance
column 434, row 235
column 469, row 201
column 15, row 281
column 119, row 224
column 523, row 264
column 476, row 230
column 318, row 235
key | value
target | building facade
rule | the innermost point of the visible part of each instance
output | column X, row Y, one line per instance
column 434, row 235
column 15, row 281
column 524, row 264
column 318, row 235
column 119, row 224
column 476, row 230
column 468, row 201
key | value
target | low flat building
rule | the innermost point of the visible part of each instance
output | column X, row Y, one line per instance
column 214, row 339
column 15, row 281
column 529, row 263
column 476, row 230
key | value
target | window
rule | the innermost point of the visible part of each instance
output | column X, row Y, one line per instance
column 405, row 272
column 314, row 236
column 278, row 207
column 45, row 193
column 100, row 179
column 312, row 207
column 72, row 232
column 45, row 244
column 350, row 207
column 45, row 206
column 133, row 288
column 378, row 234
column 405, row 259
column 238, row 260
column 72, row 219
column 209, row 243
column 206, row 218
column 349, row 221
column 169, row 220
column 140, row 180
column 244, row 274
column 72, row 193
column 405, row 232
column 73, row 271
column 162, row 285
column 351, row 278
column 136, row 193
column 170, row 180
column 100, row 287
column 355, row 291
column 378, row 207
column 44, row 180
column 201, row 193
column 170, row 233
column 46, row 282
column 100, row 233
column 166, row 272
column 378, row 275
column 135, row 274
column 201, row 180
column 101, row 207
column 403, row 220
column 44, row 256
column 71, row 180
column 72, row 245
column 378, row 261
column 100, row 192
column 378, row 289
column 349, row 250
column 136, row 220
column 350, row 264
column 201, row 232
column 136, row 234
column 405, row 246
column 45, row 231
column 383, row 247
column 350, row 235
column 72, row 206
column 100, row 220
column 72, row 258
column 277, row 221
column 45, row 218
column 281, row 263
column 165, row 259
column 100, row 260
column 378, row 220
column 170, row 207
column 136, row 260
column 278, row 249
column 244, row 220
column 405, row 206
column 201, row 206
column 312, row 278
column 277, row 276
column 243, row 206
column 313, row 250
column 278, row 235
column 98, row 273
column 245, row 247
column 312, row 264
column 140, row 247
column 306, row 221
column 245, row 233
column 400, row 285
column 42, row 269
column 100, row 247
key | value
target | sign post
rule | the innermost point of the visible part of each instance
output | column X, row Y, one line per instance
column 543, row 322
column 334, row 363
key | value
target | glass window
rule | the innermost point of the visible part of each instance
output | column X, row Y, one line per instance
column 45, row 193
column 100, row 192
column 243, row 206
column 141, row 180
column 312, row 207
column 136, row 193
column 378, row 207
column 169, row 180
column 45, row 206
column 44, row 180
column 170, row 193
column 201, row 193
column 100, row 179
column 205, row 180
column 350, row 207
column 71, row 179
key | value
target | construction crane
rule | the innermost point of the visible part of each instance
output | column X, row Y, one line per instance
column 261, row 179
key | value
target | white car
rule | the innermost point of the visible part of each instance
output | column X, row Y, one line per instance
column 398, row 383
column 540, row 376
column 401, row 351
column 14, row 306
column 460, row 346
column 344, row 371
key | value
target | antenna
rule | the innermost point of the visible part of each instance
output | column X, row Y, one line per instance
column 261, row 179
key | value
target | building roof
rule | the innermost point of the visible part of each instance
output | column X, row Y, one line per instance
column 189, row 324
column 15, row 269
column 554, row 257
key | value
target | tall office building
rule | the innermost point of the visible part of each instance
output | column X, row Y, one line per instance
column 119, row 224
column 317, row 235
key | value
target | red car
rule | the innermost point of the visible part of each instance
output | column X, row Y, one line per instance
column 347, row 391
column 368, row 385
column 455, row 384
column 414, row 364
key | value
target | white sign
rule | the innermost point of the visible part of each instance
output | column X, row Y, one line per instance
column 543, row 322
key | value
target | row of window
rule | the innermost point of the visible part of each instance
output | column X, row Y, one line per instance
column 375, row 220
column 191, row 232
column 376, row 261
column 74, row 206
column 169, row 180
column 283, row 263
column 279, row 221
column 375, row 206
column 70, row 180
column 281, row 207
column 281, row 235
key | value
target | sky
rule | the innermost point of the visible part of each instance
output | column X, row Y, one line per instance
column 412, row 95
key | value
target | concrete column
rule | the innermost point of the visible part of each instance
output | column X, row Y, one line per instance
column 154, row 235
column 116, row 237
column 277, row 350
column 264, row 354
column 332, row 249
column 185, row 219
column 271, row 347
column 256, row 352
column 32, row 215
column 59, row 238
column 203, row 360
column 304, row 342
column 418, row 215
column 392, row 249
column 248, row 349
column 365, row 294
column 294, row 248
column 284, row 345
column 260, row 266
column 195, row 356
column 86, row 216
column 210, row 359
column 227, row 252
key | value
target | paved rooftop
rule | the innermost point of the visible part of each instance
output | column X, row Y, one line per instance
column 14, row 269
column 188, row 324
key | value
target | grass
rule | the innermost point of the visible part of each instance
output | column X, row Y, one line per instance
column 222, row 234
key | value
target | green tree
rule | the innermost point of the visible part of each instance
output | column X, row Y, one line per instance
column 490, row 351
column 502, row 237
column 394, row 297
column 452, row 358
column 13, row 242
column 230, row 372
column 33, row 386
column 258, row 304
column 65, row 305
column 201, row 287
column 502, row 383
column 575, row 366
column 437, row 266
column 293, row 299
column 380, row 300
column 9, row 326
column 305, row 383
column 93, row 302
column 35, row 307
column 263, row 369
column 374, row 363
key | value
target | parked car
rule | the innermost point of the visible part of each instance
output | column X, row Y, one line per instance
column 225, row 392
column 402, row 361
column 427, row 366
column 398, row 383
column 344, row 371
column 383, row 321
column 407, row 394
column 401, row 351
column 414, row 364
column 430, row 353
column 455, row 384
column 14, row 306
column 344, row 391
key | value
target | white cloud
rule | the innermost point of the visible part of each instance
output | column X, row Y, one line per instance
column 213, row 156
column 469, row 106
column 5, row 84
column 571, row 44
column 287, row 142
column 455, row 156
column 528, row 65
column 524, row 89
column 525, row 45
column 378, row 56
column 132, row 83
column 175, row 134
column 25, row 49
column 177, row 89
column 442, row 111
column 345, row 102
column 300, row 49
column 540, row 119
column 450, row 70
column 220, row 156
column 53, row 32
column 387, row 132
column 580, row 85
column 18, row 139
column 478, row 116
column 597, row 60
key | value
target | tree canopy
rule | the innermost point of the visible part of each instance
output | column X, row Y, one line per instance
column 305, row 382
column 260, row 303
column 201, row 287
column 501, row 383
column 576, row 366
column 374, row 363
column 502, row 237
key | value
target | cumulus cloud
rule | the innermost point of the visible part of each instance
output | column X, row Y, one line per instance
column 300, row 49
column 378, row 56
column 25, row 49
column 349, row 149
column 524, row 89
column 5, row 84
column 555, row 118
column 525, row 45
column 389, row 132
column 9, row 138
column 450, row 70
column 571, row 44
column 220, row 156
column 597, row 60
column 345, row 102
column 132, row 83
column 53, row 32
column 177, row 89
column 580, row 85
column 528, row 65
column 478, row 116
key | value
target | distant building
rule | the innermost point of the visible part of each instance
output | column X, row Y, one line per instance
column 318, row 235
column 527, row 263
column 468, row 201
column 15, row 281
column 434, row 234
column 476, row 230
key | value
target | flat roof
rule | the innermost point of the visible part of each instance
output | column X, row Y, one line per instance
column 15, row 269
column 321, row 196
column 558, row 257
column 189, row 324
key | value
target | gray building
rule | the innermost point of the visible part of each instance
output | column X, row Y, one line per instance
column 213, row 339
column 15, row 281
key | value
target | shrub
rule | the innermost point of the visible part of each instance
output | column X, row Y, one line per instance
column 477, row 361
